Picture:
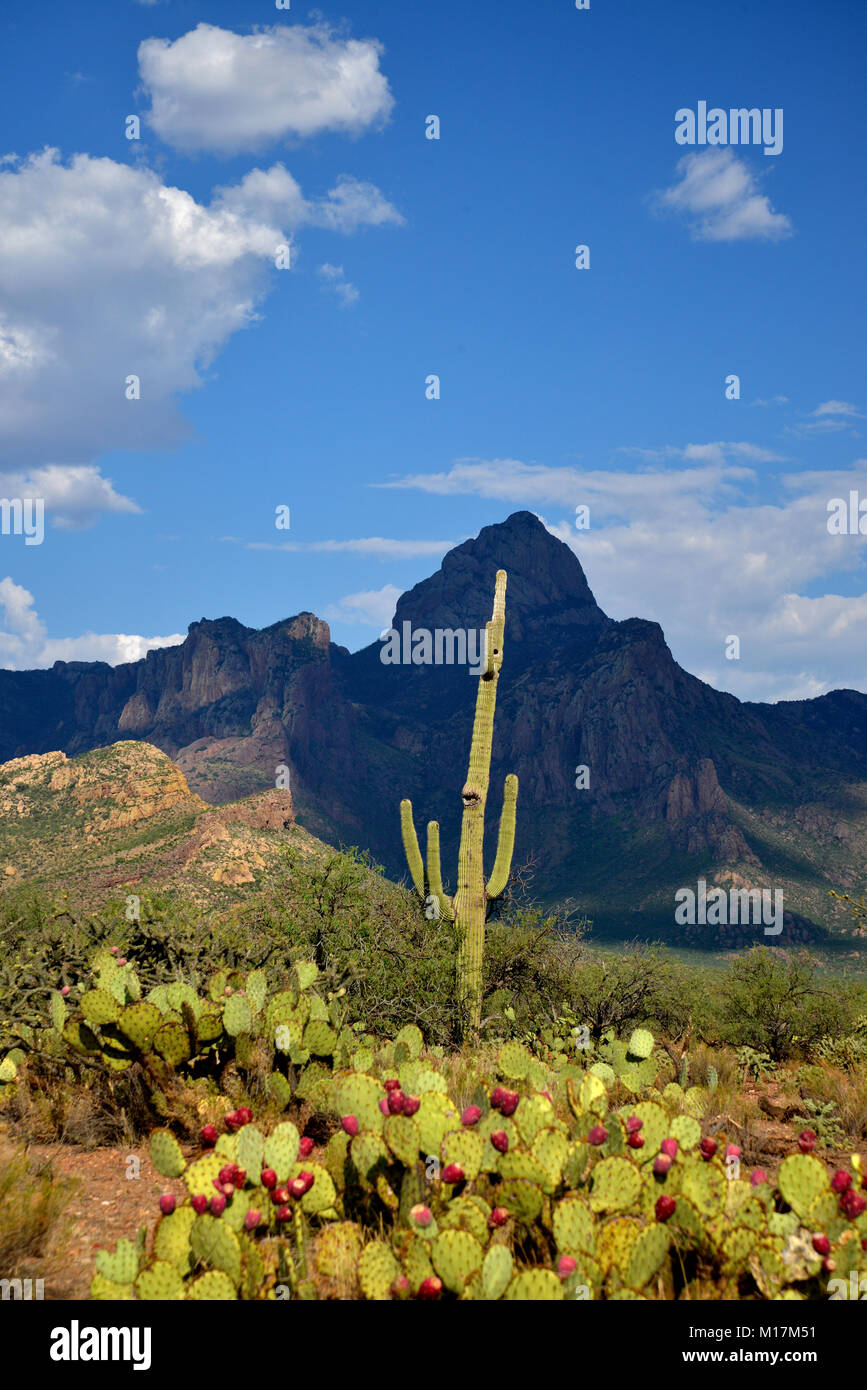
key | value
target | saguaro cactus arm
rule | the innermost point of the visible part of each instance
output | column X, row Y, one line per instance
column 505, row 840
column 410, row 846
column 434, row 870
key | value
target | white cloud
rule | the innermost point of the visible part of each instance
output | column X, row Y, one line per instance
column 381, row 547
column 74, row 496
column 212, row 89
column 718, row 192
column 837, row 408
column 371, row 607
column 828, row 418
column 24, row 645
column 273, row 196
column 338, row 284
column 106, row 272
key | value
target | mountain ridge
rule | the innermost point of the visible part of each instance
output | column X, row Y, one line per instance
column 684, row 781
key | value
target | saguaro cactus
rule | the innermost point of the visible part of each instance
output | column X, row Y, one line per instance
column 469, row 907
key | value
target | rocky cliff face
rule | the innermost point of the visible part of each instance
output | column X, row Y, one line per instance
column 682, row 781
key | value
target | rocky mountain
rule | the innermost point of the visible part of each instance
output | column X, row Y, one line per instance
column 103, row 822
column 685, row 782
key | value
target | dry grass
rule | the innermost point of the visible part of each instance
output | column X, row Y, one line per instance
column 32, row 1205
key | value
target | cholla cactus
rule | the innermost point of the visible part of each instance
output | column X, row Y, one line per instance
column 469, row 907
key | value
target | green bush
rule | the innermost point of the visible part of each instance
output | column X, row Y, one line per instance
column 772, row 1001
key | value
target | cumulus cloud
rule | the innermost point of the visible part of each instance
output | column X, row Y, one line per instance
column 719, row 195
column 274, row 197
column 371, row 607
column 215, row 90
column 106, row 272
column 24, row 644
column 692, row 547
column 74, row 496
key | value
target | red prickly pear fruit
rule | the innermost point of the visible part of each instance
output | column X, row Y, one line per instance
column 209, row 1136
column 217, row 1204
column 244, row 1115
column 498, row 1217
column 566, row 1266
column 421, row 1215
column 252, row 1219
column 393, row 1084
column 431, row 1287
column 757, row 1177
column 732, row 1151
column 168, row 1203
column 633, row 1124
column 232, row 1121
column 217, row 1184
column 841, row 1181
column 806, row 1141
column 661, row 1164
column 497, row 1096
column 121, row 960
column 821, row 1245
column 284, row 1213
column 852, row 1204
column 509, row 1103
column 401, row 1286
column 500, row 1141
column 268, row 1179
column 350, row 1124
column 395, row 1102
column 708, row 1148
column 452, row 1173
column 199, row 1203
column 665, row 1207
column 597, row 1135
column 302, row 1184
column 864, row 1243
column 65, row 991
column 669, row 1146
column 635, row 1141
column 471, row 1115
column 305, row 1148
column 228, row 1171
column 240, row 1177
column 280, row 1196
column 384, row 1106
column 228, row 1190
column 829, row 1266
column 114, row 950
column 411, row 1104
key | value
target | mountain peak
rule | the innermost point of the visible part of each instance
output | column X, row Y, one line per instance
column 547, row 588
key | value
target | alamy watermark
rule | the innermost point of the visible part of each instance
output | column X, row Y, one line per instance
column 442, row 647
column 734, row 127
column 738, row 906
column 23, row 516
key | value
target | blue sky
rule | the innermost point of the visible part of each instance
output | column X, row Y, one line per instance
column 410, row 257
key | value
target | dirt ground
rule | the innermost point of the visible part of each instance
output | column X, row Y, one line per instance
column 115, row 1195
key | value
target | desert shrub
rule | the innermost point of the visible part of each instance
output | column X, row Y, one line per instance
column 32, row 1205
column 773, row 1002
